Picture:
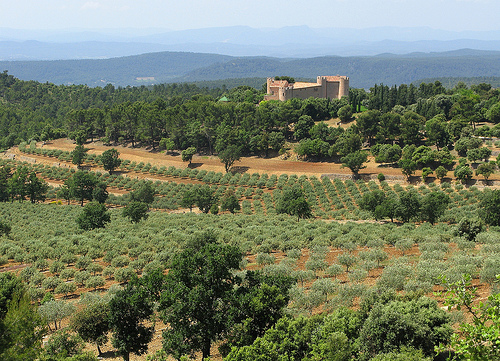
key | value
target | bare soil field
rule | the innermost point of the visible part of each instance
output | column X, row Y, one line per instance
column 247, row 164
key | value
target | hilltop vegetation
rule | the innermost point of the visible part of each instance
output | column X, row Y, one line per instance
column 451, row 82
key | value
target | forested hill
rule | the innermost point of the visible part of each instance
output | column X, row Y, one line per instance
column 363, row 71
column 123, row 71
column 194, row 67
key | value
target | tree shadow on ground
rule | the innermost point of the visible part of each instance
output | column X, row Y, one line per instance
column 470, row 183
column 72, row 296
column 108, row 354
column 487, row 182
column 365, row 177
column 429, row 180
column 414, row 179
column 194, row 165
column 239, row 169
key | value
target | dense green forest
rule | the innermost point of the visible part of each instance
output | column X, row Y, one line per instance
column 263, row 271
column 406, row 126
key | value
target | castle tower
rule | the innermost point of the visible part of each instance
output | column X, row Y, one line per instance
column 344, row 86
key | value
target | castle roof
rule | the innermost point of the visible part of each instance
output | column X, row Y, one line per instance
column 280, row 83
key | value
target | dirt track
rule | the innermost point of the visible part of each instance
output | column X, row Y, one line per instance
column 247, row 164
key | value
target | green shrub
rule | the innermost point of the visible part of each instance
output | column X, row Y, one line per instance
column 419, row 323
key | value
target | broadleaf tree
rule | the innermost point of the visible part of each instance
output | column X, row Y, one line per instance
column 433, row 206
column 81, row 185
column 490, row 207
column 91, row 323
column 230, row 202
column 355, row 162
column 294, row 203
column 187, row 154
column 145, row 193
column 229, row 155
column 478, row 339
column 78, row 155
column 199, row 296
column 128, row 310
column 136, row 211
column 94, row 215
column 111, row 160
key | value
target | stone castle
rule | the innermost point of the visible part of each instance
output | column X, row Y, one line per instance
column 332, row 87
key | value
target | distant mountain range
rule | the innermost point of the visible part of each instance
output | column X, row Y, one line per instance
column 287, row 42
column 168, row 67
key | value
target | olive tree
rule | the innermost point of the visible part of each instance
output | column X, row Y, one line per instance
column 325, row 286
column 347, row 260
column 91, row 322
column 65, row 288
column 55, row 311
column 316, row 265
column 95, row 282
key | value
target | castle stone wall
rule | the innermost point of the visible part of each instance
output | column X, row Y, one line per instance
column 331, row 87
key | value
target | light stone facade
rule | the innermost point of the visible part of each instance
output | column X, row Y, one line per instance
column 332, row 87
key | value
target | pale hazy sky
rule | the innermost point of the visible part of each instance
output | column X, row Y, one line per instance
column 457, row 15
